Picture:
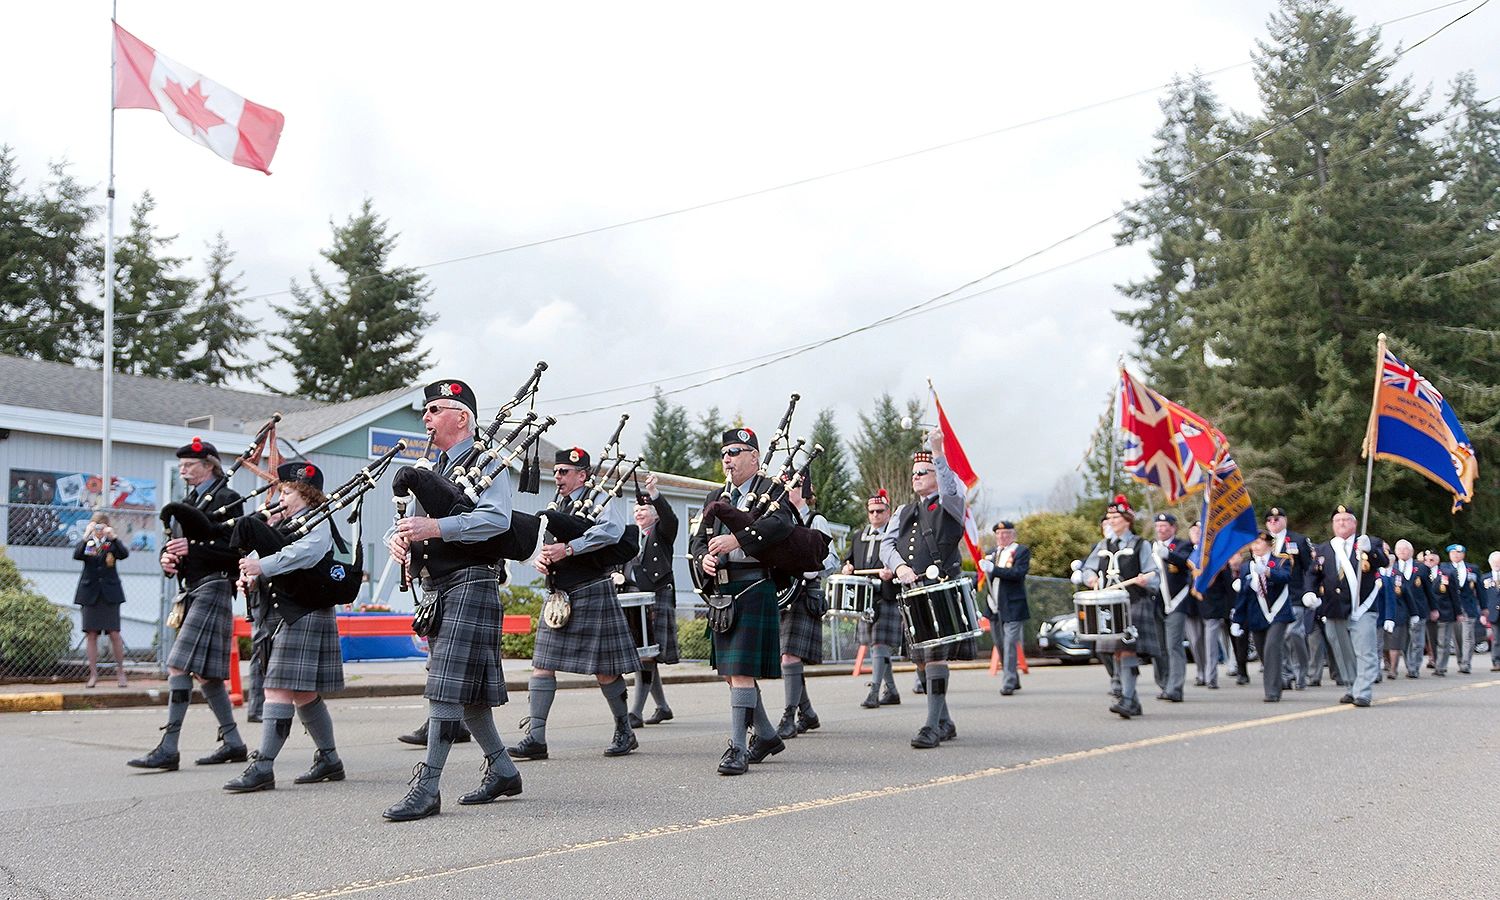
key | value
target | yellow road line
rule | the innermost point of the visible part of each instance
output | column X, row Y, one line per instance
column 357, row 887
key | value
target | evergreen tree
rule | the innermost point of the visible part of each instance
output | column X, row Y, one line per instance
column 831, row 482
column 1335, row 226
column 707, row 437
column 669, row 439
column 359, row 335
column 46, row 260
column 153, row 304
column 221, row 329
column 883, row 449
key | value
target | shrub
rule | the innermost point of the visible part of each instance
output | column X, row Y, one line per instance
column 693, row 640
column 34, row 634
column 520, row 600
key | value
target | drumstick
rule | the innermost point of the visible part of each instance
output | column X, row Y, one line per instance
column 867, row 571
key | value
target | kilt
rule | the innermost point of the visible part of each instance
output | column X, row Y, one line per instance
column 886, row 630
column 463, row 665
column 802, row 632
column 101, row 617
column 1150, row 622
column 596, row 640
column 665, row 625
column 305, row 655
column 202, row 644
column 753, row 646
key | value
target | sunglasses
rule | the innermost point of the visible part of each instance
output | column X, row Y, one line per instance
column 732, row 452
column 434, row 409
column 877, row 509
column 560, row 472
column 920, row 472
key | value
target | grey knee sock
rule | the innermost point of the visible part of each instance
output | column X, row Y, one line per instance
column 1128, row 674
column 763, row 726
column 442, row 731
column 218, row 701
column 180, row 692
column 937, row 694
column 657, row 692
column 540, row 691
column 481, row 722
column 276, row 726
column 644, row 680
column 614, row 692
column 791, row 679
column 883, row 656
column 319, row 725
column 742, row 703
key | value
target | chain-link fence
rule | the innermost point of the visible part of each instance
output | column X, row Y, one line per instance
column 47, row 548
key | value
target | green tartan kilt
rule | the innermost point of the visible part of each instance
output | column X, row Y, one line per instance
column 753, row 646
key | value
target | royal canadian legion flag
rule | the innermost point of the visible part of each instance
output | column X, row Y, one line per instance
column 205, row 111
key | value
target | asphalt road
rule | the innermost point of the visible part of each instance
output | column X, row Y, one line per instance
column 1044, row 794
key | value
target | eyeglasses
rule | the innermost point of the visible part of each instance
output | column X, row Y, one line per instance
column 875, row 511
column 561, row 471
column 920, row 472
column 434, row 409
column 732, row 452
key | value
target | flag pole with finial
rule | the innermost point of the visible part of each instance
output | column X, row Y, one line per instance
column 1372, row 434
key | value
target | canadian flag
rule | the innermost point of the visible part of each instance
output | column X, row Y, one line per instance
column 240, row 131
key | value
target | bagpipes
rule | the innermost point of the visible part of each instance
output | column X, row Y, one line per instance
column 326, row 583
column 458, row 490
column 204, row 501
column 804, row 549
column 566, row 519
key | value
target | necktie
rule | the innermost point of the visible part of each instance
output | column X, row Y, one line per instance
column 442, row 461
column 734, row 497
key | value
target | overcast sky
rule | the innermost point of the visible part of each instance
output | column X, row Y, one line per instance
column 480, row 126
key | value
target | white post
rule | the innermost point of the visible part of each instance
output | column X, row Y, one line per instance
column 106, row 484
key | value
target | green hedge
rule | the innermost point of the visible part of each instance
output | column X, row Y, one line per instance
column 34, row 634
column 692, row 638
column 520, row 600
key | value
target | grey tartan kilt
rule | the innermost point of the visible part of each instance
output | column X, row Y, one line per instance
column 802, row 633
column 595, row 641
column 665, row 626
column 202, row 644
column 463, row 665
column 305, row 655
column 886, row 630
column 1150, row 622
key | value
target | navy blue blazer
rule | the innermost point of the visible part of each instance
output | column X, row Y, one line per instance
column 1247, row 609
column 100, row 582
column 1465, row 597
column 1008, row 585
column 1339, row 597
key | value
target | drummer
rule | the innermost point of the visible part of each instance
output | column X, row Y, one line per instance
column 1123, row 560
column 921, row 546
column 881, row 630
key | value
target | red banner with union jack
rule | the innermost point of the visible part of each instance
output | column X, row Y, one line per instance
column 1166, row 444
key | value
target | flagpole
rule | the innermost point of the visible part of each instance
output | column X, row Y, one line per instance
column 106, row 482
column 1114, row 421
column 1372, row 434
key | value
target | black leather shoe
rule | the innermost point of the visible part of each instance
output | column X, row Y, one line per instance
column 1134, row 707
column 950, row 731
column 926, row 739
column 325, row 767
column 890, row 698
column 920, row 687
column 661, row 715
column 1316, row 682
column 1243, row 679
column 224, row 754
column 624, row 740
column 734, row 762
column 1172, row 698
column 1347, row 698
column 492, row 786
column 253, row 779
column 417, row 738
column 157, row 759
column 1120, row 709
column 528, row 749
column 760, row 748
column 1006, row 692
column 253, row 719
column 1162, row 695
column 1361, row 702
column 873, row 700
column 1463, row 670
column 786, row 729
column 633, row 719
column 1198, row 682
column 418, row 803
column 807, row 721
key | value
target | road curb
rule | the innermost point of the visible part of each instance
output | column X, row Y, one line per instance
column 38, row 702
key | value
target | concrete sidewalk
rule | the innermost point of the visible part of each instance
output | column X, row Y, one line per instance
column 378, row 678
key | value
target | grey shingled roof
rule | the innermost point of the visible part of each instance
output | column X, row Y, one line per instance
column 73, row 389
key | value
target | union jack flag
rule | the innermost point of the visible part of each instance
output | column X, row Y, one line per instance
column 1397, row 374
column 1167, row 445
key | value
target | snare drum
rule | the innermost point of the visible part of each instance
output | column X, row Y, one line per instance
column 1103, row 614
column 637, row 607
column 850, row 596
column 938, row 614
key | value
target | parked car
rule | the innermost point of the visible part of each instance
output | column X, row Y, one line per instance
column 1057, row 638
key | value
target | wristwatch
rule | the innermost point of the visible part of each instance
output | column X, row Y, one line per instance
column 567, row 549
